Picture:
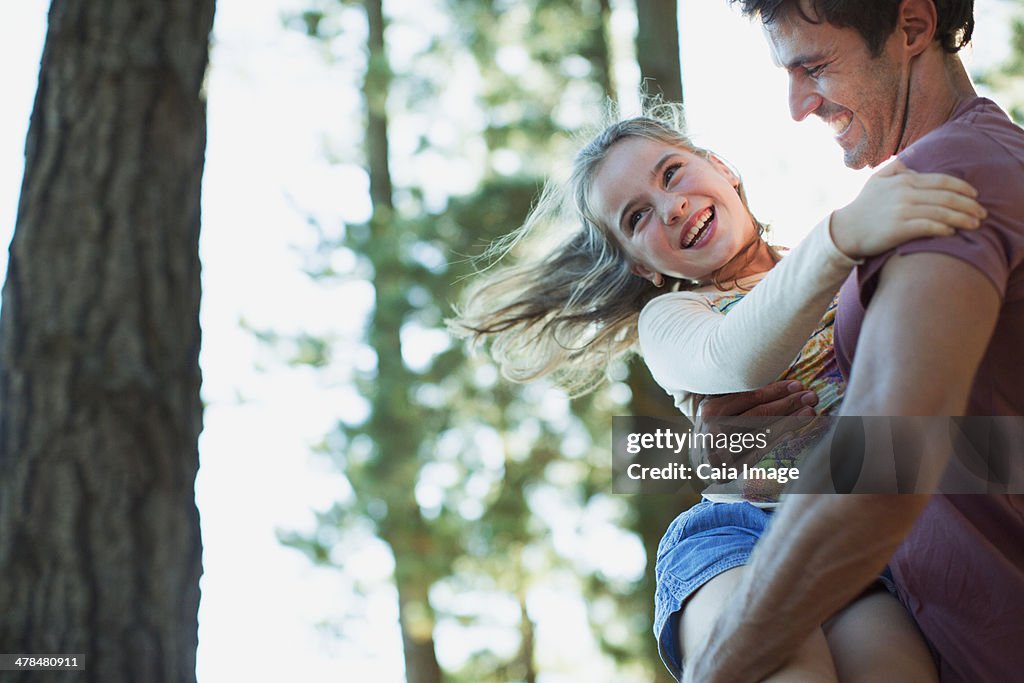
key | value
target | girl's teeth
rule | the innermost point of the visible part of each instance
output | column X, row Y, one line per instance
column 693, row 232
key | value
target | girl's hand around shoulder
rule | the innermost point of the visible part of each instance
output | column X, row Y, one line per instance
column 898, row 205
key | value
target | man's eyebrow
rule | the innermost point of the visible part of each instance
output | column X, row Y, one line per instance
column 800, row 60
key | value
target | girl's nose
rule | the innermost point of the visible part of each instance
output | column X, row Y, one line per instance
column 673, row 209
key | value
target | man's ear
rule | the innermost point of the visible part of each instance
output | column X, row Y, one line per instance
column 915, row 23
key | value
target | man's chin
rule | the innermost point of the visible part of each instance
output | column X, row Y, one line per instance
column 857, row 158
column 856, row 164
column 861, row 154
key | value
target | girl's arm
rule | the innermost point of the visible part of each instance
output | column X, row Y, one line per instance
column 690, row 347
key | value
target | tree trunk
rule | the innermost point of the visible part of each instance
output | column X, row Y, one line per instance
column 658, row 59
column 657, row 48
column 601, row 54
column 100, row 413
column 417, row 622
column 653, row 512
column 392, row 425
column 528, row 648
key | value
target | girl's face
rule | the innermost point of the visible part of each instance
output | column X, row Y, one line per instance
column 673, row 211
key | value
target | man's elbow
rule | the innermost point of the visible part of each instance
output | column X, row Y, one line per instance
column 884, row 518
column 874, row 391
column 881, row 402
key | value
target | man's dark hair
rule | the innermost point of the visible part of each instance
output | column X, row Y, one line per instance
column 874, row 21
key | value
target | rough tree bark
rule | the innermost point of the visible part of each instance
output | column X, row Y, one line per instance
column 100, row 551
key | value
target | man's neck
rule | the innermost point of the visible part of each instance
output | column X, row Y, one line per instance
column 938, row 85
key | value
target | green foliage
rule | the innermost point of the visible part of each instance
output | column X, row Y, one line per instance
column 456, row 470
column 469, row 480
column 1007, row 79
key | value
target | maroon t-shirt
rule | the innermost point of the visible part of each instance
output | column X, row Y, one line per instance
column 960, row 571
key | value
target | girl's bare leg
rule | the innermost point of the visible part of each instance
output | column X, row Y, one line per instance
column 812, row 661
column 874, row 639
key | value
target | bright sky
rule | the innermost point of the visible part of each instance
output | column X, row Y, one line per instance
column 273, row 104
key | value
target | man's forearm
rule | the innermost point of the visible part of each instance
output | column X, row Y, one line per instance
column 821, row 551
column 812, row 562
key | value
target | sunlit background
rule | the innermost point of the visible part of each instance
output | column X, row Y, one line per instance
column 276, row 105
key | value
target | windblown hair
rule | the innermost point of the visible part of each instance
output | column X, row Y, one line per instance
column 568, row 308
column 874, row 21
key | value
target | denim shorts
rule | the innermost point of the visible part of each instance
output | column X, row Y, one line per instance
column 699, row 544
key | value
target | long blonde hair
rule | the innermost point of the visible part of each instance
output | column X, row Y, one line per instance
column 571, row 310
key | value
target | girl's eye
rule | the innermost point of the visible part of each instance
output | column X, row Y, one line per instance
column 670, row 172
column 634, row 218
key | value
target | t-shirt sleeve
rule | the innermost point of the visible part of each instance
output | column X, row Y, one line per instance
column 997, row 247
column 691, row 347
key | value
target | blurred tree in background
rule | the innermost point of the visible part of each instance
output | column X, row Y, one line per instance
column 658, row 27
column 489, row 496
column 661, row 75
column 1007, row 80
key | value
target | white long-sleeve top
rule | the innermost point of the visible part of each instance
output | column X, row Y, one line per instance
column 692, row 347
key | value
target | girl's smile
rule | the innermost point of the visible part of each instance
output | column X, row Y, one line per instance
column 698, row 231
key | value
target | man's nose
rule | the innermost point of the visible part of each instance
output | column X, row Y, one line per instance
column 803, row 101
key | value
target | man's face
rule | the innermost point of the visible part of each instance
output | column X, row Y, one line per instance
column 833, row 75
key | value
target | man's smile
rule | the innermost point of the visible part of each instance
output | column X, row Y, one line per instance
column 839, row 122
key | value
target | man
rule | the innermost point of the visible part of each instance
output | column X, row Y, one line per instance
column 934, row 328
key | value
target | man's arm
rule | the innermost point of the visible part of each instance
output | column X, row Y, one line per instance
column 922, row 340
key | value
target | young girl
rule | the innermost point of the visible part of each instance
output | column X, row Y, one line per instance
column 661, row 253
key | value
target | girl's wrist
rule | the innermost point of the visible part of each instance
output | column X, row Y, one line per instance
column 839, row 235
column 839, row 251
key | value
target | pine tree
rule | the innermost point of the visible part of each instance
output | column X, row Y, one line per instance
column 99, row 342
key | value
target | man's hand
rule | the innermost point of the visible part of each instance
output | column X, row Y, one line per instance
column 776, row 399
column 776, row 411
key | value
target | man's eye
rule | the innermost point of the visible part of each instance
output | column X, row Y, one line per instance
column 814, row 71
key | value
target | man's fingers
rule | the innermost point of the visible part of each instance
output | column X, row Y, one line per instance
column 776, row 391
column 800, row 404
column 740, row 403
column 775, row 399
